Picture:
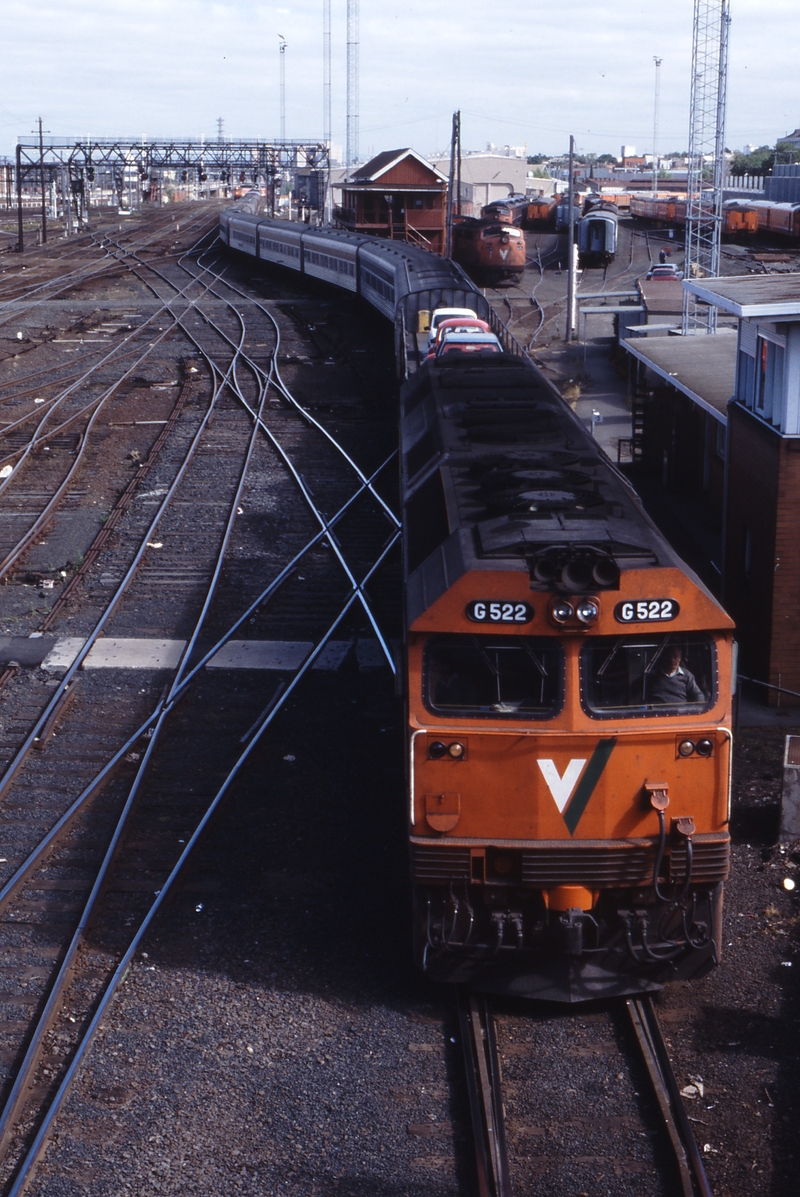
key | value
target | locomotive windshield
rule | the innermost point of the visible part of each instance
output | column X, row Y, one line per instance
column 494, row 677
column 648, row 675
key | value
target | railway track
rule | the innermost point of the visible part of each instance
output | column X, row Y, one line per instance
column 121, row 798
column 540, row 1106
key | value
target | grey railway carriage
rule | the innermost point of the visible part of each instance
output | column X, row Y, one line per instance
column 597, row 236
column 383, row 272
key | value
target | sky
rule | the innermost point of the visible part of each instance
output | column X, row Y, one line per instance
column 524, row 72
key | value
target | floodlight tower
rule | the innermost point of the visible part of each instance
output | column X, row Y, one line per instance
column 351, row 154
column 282, row 52
column 326, row 71
column 706, row 155
column 656, row 100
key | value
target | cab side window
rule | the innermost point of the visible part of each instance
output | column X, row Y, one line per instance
column 648, row 675
column 494, row 677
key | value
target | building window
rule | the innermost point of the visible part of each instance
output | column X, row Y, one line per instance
column 720, row 439
column 769, row 382
column 745, row 379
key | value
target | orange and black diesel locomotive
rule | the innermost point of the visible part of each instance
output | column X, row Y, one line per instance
column 568, row 679
column 569, row 704
column 489, row 252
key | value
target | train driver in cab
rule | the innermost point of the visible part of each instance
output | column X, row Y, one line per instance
column 674, row 684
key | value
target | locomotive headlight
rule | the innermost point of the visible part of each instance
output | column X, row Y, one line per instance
column 587, row 611
column 686, row 748
column 561, row 612
column 455, row 750
column 705, row 747
column 436, row 750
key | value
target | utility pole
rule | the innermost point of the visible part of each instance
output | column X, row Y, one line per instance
column 657, row 61
column 44, row 192
column 706, row 142
column 572, row 256
column 20, row 240
column 282, row 53
column 352, row 83
column 454, row 182
column 220, row 128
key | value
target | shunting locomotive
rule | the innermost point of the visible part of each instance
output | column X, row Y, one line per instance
column 569, row 702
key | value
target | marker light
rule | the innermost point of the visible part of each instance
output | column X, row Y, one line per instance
column 705, row 747
column 561, row 612
column 436, row 750
column 587, row 611
column 455, row 750
column 686, row 748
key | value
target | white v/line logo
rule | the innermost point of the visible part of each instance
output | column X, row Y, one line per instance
column 561, row 787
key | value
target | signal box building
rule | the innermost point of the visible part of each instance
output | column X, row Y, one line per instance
column 397, row 195
column 717, row 425
column 761, row 546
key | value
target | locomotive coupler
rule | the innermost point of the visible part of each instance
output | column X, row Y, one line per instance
column 570, row 930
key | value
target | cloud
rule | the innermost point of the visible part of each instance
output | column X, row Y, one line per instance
column 524, row 72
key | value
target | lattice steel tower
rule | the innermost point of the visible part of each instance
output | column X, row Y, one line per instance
column 326, row 71
column 706, row 154
column 351, row 152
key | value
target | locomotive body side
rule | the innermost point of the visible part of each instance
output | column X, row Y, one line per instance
column 512, row 210
column 541, row 211
column 542, row 611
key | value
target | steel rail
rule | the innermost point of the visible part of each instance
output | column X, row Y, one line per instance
column 281, row 386
column 49, row 840
column 291, row 399
column 25, row 1171
column 22, row 752
column 643, row 1018
column 484, row 1089
column 20, row 455
column 66, row 282
column 289, row 464
column 13, row 556
column 18, row 1094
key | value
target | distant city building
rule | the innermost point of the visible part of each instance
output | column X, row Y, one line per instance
column 507, row 151
column 487, row 177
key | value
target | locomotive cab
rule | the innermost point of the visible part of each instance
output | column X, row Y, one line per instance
column 569, row 704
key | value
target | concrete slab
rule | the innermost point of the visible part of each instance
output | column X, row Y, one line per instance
column 109, row 653
column 25, row 650
column 63, row 653
column 369, row 654
column 261, row 654
column 333, row 655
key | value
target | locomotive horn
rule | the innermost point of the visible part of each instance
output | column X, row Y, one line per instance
column 605, row 572
column 544, row 570
column 577, row 575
